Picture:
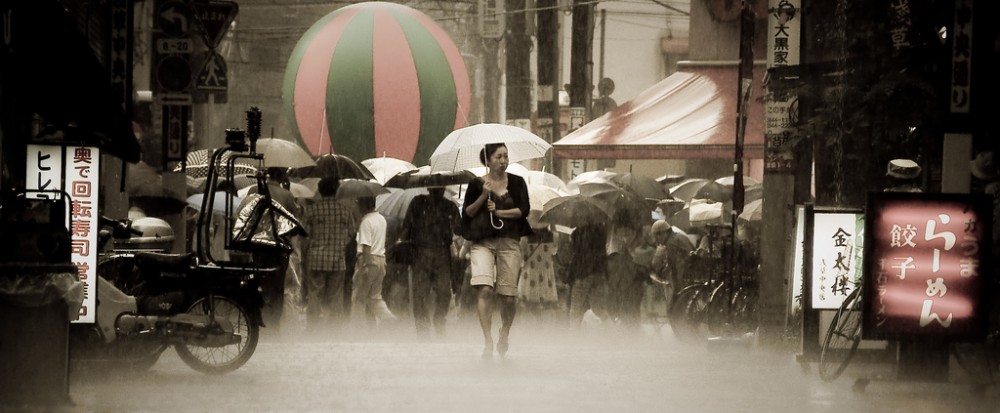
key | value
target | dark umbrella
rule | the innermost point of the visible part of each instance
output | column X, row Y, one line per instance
column 414, row 179
column 397, row 201
column 334, row 166
column 714, row 191
column 628, row 206
column 574, row 211
column 356, row 188
column 643, row 186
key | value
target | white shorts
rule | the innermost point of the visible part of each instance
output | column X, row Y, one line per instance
column 496, row 262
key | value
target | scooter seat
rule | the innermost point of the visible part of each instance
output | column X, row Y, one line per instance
column 165, row 262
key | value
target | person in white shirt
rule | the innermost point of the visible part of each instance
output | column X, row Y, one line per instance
column 366, row 296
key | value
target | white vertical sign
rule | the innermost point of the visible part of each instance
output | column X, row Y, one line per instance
column 492, row 20
column 82, row 173
column 836, row 261
column 783, row 30
column 44, row 170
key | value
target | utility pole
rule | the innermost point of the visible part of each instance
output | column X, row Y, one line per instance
column 581, row 57
column 518, row 63
column 548, row 73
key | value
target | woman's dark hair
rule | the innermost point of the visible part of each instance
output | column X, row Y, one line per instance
column 489, row 150
column 328, row 186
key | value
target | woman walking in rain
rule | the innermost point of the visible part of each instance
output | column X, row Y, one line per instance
column 496, row 259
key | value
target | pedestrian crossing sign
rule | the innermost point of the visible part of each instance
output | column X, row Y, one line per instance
column 213, row 74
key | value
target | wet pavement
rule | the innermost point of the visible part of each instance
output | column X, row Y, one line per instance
column 548, row 369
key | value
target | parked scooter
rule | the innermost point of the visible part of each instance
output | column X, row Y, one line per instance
column 148, row 301
column 207, row 309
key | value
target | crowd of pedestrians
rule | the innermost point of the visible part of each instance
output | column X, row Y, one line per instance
column 351, row 269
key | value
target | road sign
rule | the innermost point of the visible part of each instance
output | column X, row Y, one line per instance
column 173, row 18
column 213, row 74
column 170, row 45
column 174, row 132
column 173, row 73
column 215, row 17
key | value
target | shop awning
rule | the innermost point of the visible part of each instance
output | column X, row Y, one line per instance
column 689, row 114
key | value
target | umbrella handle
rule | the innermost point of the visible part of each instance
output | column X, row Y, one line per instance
column 495, row 226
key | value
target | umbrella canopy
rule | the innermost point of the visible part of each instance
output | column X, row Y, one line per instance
column 218, row 204
column 687, row 189
column 640, row 185
column 416, row 179
column 374, row 78
column 545, row 179
column 386, row 167
column 747, row 181
column 671, row 206
column 627, row 206
column 538, row 195
column 715, row 192
column 395, row 203
column 356, row 188
column 196, row 164
column 574, row 211
column 460, row 149
column 336, row 166
column 298, row 190
column 280, row 152
column 589, row 176
column 514, row 168
column 752, row 211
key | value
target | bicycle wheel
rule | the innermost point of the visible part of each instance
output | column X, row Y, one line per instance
column 842, row 338
column 680, row 313
column 222, row 359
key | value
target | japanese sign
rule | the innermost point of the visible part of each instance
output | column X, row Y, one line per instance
column 781, row 109
column 47, row 165
column 44, row 170
column 837, row 246
column 491, row 18
column 82, row 173
column 961, row 57
column 214, row 17
column 926, row 266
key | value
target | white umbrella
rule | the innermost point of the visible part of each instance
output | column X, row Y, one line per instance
column 298, row 190
column 545, row 179
column 218, row 204
column 280, row 152
column 514, row 168
column 460, row 149
column 386, row 167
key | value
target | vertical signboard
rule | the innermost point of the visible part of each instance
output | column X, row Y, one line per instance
column 836, row 260
column 492, row 20
column 82, row 173
column 927, row 265
column 961, row 58
column 781, row 108
column 44, row 170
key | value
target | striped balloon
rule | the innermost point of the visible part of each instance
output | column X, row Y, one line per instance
column 376, row 79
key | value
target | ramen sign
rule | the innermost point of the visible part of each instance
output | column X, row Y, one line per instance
column 926, row 266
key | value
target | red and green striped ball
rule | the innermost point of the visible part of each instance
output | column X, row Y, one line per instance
column 374, row 79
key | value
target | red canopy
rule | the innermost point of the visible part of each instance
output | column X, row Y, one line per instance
column 686, row 115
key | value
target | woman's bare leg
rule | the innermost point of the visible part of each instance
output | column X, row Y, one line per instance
column 485, row 308
column 508, row 309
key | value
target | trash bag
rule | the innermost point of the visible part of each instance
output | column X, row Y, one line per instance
column 263, row 224
column 38, row 288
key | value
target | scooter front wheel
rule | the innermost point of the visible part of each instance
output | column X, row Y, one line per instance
column 222, row 359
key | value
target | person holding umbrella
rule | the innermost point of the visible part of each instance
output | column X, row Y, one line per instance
column 429, row 224
column 496, row 259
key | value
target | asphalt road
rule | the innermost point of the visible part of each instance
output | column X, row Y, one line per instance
column 548, row 369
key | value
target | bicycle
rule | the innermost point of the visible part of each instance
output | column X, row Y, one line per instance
column 842, row 337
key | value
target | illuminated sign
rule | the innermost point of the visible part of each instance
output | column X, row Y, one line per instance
column 836, row 259
column 926, row 265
